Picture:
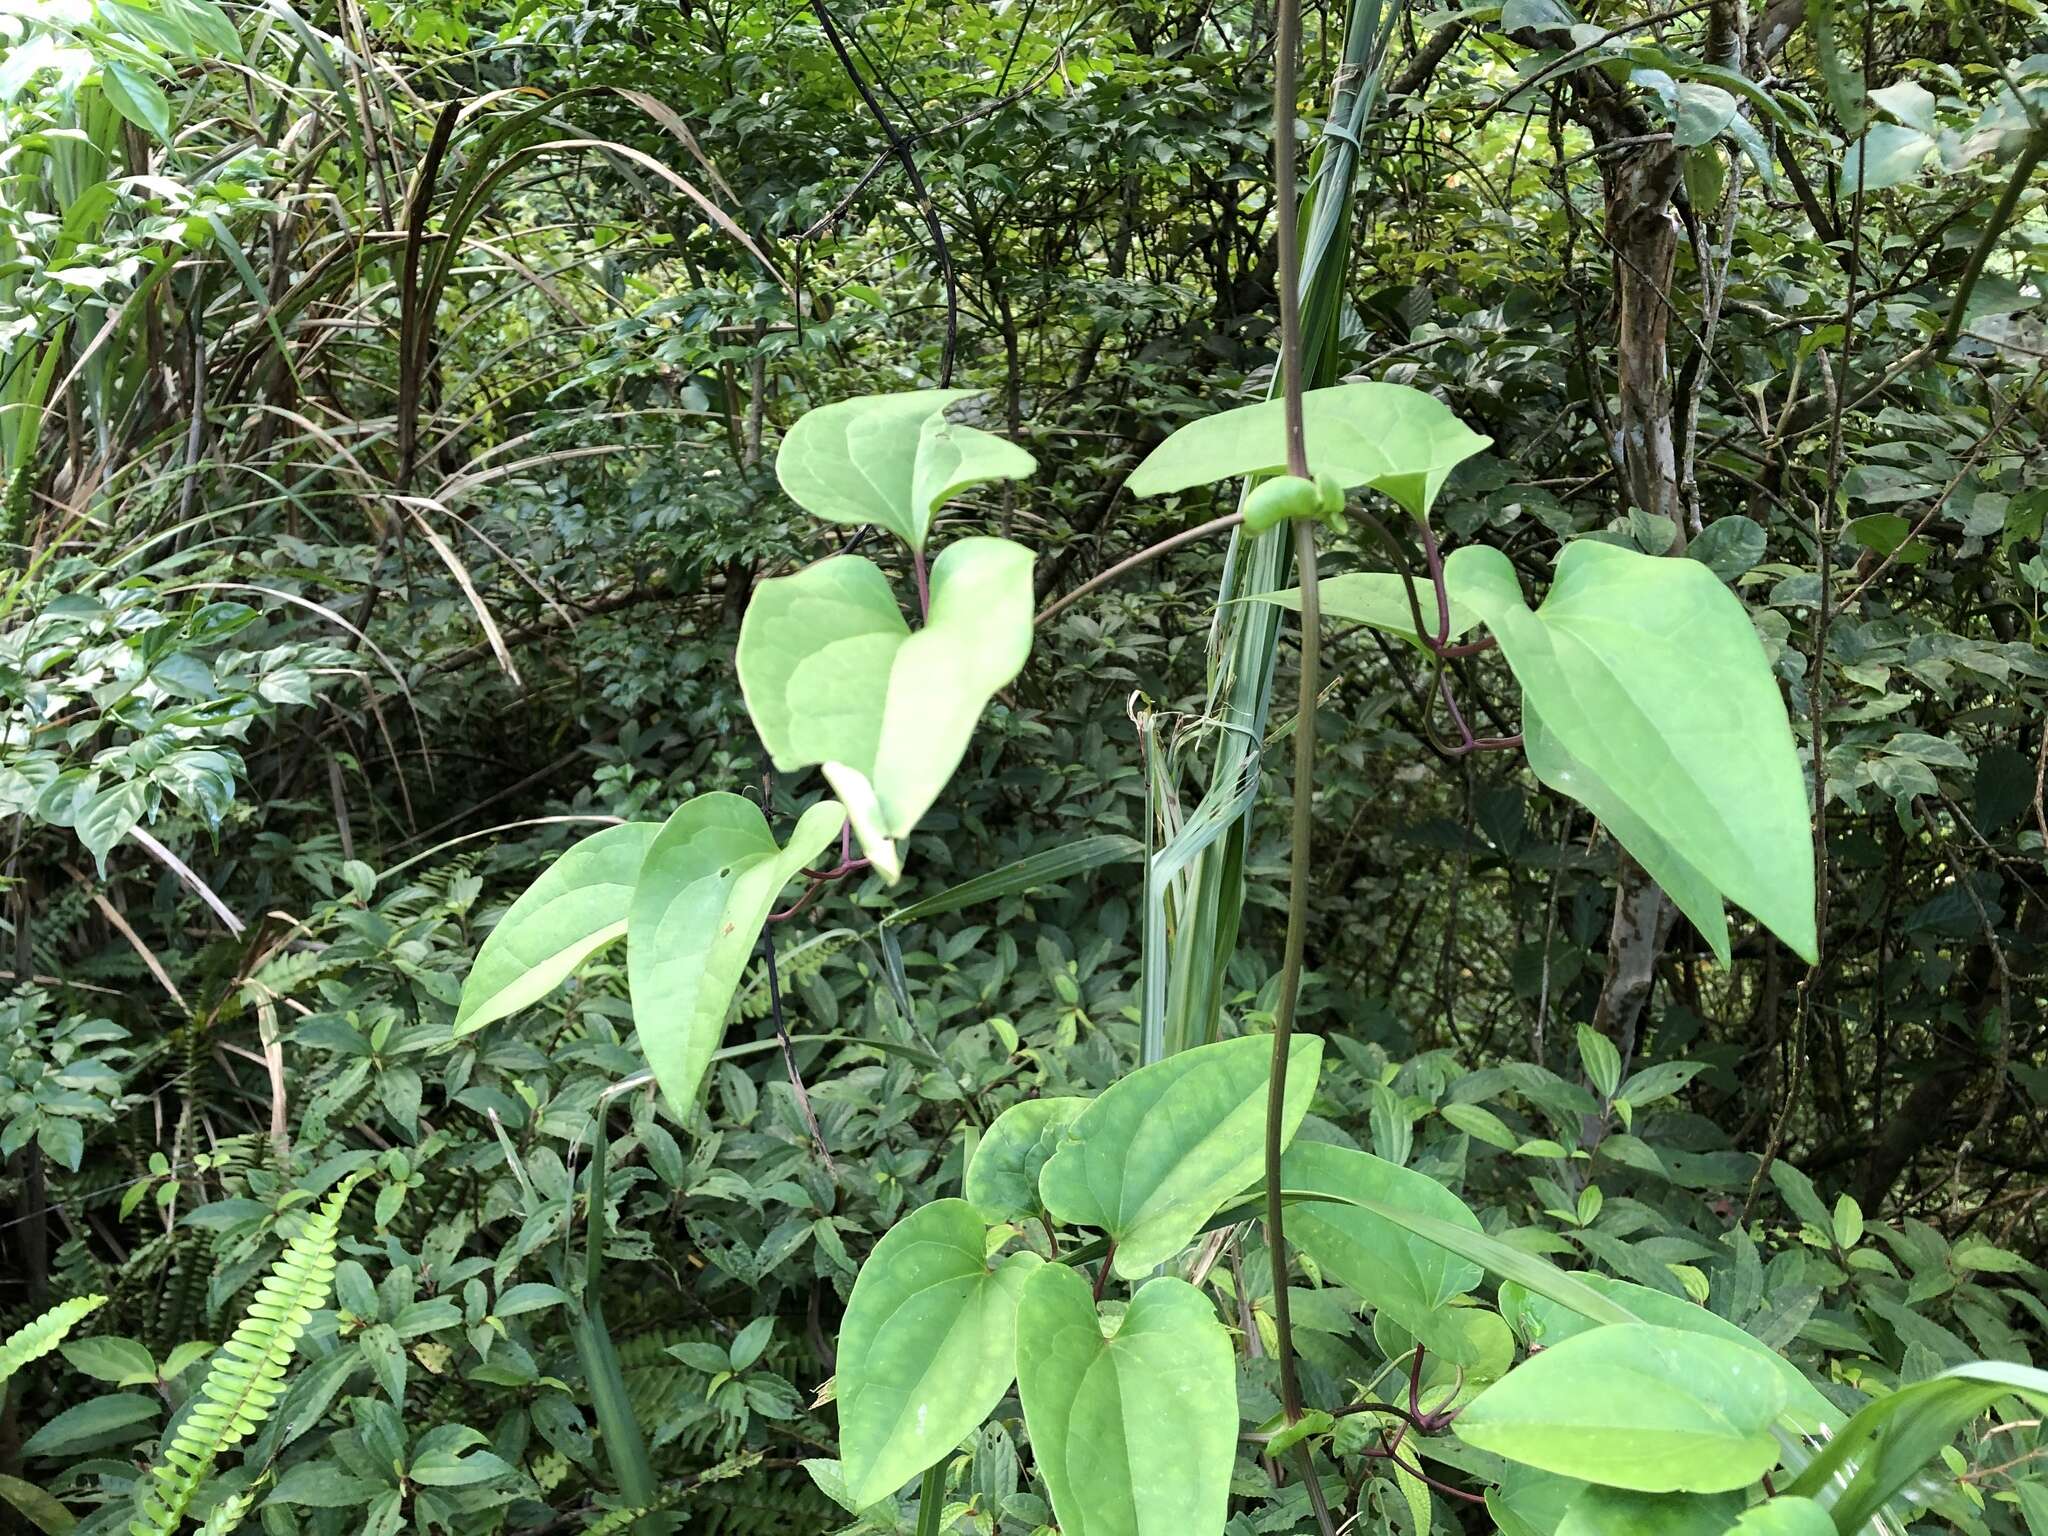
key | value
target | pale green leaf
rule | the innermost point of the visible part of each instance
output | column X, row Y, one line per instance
column 109, row 1358
column 1647, row 697
column 573, row 910
column 1543, row 1322
column 1408, row 1277
column 834, row 676
column 1164, row 1148
column 708, row 883
column 891, row 460
column 952, row 458
column 1002, row 1176
column 928, row 1347
column 1135, row 1433
column 1388, row 437
column 1635, row 1406
column 1886, row 156
column 1784, row 1516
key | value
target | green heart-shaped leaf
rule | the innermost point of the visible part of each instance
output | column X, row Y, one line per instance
column 928, row 1347
column 1647, row 697
column 1397, row 440
column 709, row 880
column 1134, row 1433
column 573, row 910
column 834, row 676
column 1633, row 1406
column 892, row 460
column 1162, row 1150
column 1407, row 1277
column 1543, row 1322
column 1002, row 1176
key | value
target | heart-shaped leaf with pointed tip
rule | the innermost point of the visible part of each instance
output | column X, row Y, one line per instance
column 1135, row 1433
column 709, row 880
column 1162, row 1150
column 1002, row 1176
column 1407, row 1277
column 1394, row 439
column 1647, row 696
column 571, row 912
column 928, row 1347
column 892, row 460
column 1634, row 1406
column 834, row 676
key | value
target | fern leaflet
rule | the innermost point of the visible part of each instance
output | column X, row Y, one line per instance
column 246, row 1377
column 38, row 1338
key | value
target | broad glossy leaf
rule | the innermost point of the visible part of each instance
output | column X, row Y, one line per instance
column 1647, row 696
column 1634, row 1406
column 572, row 911
column 1135, row 1433
column 1784, row 1516
column 951, row 458
column 928, row 1347
column 1405, row 1276
column 1542, row 1322
column 891, row 460
column 1620, row 1512
column 834, row 676
column 1888, row 1441
column 1389, row 437
column 708, row 883
column 1380, row 599
column 1163, row 1149
column 1002, row 1177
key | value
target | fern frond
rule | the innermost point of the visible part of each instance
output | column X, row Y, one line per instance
column 45, row 1333
column 246, row 1377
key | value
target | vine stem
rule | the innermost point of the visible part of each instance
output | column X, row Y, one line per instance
column 1287, row 45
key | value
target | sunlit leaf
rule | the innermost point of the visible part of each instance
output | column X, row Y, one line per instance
column 928, row 1347
column 1164, row 1148
column 572, row 911
column 1002, row 1177
column 708, row 882
column 834, row 676
column 1635, row 1406
column 1647, row 696
column 891, row 460
column 1388, row 437
column 1135, row 1433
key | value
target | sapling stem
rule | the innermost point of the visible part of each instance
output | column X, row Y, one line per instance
column 1287, row 44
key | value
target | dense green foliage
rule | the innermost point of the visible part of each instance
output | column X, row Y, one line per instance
column 390, row 405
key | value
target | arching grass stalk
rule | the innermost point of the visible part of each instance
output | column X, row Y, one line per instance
column 1287, row 45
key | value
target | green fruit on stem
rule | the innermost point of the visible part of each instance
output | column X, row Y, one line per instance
column 1281, row 499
